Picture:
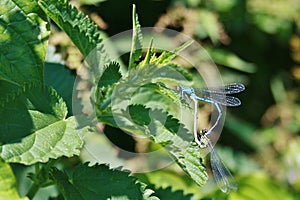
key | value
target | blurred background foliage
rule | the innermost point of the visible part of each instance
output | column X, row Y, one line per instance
column 254, row 42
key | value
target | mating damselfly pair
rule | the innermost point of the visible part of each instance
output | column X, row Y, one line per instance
column 218, row 97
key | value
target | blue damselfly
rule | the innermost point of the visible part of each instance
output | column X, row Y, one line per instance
column 218, row 97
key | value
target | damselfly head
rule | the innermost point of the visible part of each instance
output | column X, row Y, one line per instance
column 203, row 131
column 186, row 90
column 179, row 88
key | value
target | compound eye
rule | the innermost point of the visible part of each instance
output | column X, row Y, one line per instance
column 203, row 131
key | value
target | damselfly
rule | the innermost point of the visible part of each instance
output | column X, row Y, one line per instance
column 217, row 96
column 222, row 175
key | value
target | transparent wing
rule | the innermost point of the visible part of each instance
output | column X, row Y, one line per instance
column 234, row 88
column 231, row 88
column 221, row 99
column 215, row 95
column 222, row 175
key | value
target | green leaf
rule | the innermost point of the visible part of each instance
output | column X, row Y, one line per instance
column 141, row 115
column 259, row 186
column 155, row 95
column 98, row 182
column 167, row 57
column 136, row 45
column 167, row 131
column 172, row 73
column 62, row 80
column 153, row 73
column 57, row 139
column 170, row 182
column 81, row 30
column 148, row 56
column 148, row 195
column 272, row 24
column 103, row 105
column 211, row 25
column 65, row 186
column 8, row 183
column 167, row 193
column 39, row 114
column 278, row 90
column 90, row 2
column 224, row 6
column 30, row 111
column 23, row 40
column 190, row 161
column 230, row 60
column 110, row 76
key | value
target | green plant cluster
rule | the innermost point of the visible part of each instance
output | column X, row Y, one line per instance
column 45, row 153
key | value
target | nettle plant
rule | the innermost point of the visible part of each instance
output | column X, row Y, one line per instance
column 38, row 127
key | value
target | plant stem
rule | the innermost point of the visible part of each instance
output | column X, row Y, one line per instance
column 33, row 190
column 40, row 178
